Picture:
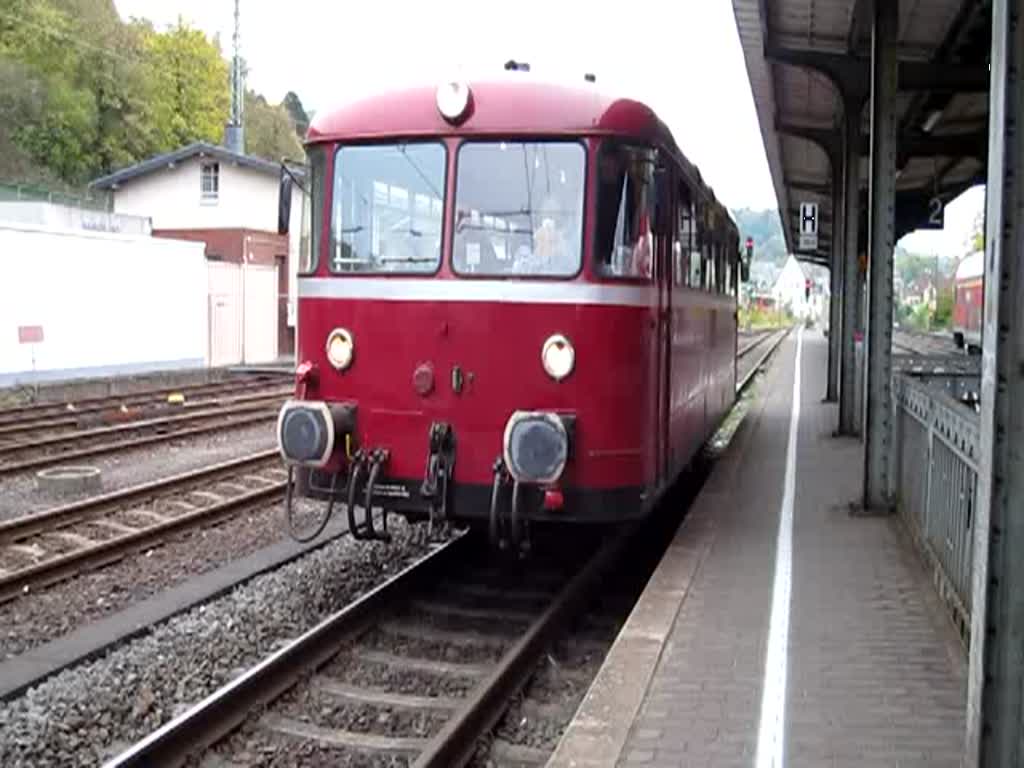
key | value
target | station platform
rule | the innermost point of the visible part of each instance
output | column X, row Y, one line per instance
column 780, row 628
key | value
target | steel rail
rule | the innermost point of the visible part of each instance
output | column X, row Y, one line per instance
column 455, row 743
column 745, row 380
column 71, row 421
column 758, row 340
column 19, row 528
column 226, row 708
column 221, row 420
column 34, row 411
column 161, row 421
column 472, row 718
column 16, row 582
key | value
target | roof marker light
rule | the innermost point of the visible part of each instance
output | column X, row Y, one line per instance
column 452, row 100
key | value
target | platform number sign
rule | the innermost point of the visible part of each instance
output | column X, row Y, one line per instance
column 936, row 216
column 808, row 227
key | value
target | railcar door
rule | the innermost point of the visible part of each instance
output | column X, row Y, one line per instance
column 665, row 325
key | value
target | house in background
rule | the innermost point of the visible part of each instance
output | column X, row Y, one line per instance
column 227, row 200
column 790, row 289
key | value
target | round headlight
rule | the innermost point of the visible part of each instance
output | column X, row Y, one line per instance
column 340, row 346
column 558, row 357
column 452, row 99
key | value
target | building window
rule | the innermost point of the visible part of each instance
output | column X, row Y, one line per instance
column 209, row 182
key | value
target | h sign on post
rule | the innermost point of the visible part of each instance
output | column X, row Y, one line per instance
column 808, row 227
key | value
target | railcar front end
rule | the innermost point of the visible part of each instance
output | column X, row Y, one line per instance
column 484, row 321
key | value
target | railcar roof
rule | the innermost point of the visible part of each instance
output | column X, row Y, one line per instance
column 514, row 104
column 972, row 266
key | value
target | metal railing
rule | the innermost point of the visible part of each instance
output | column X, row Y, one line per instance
column 935, row 453
column 92, row 200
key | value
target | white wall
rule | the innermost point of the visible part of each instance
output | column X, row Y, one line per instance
column 107, row 303
column 171, row 198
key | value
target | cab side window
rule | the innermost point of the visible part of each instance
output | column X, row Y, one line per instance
column 624, row 243
column 709, row 265
column 686, row 236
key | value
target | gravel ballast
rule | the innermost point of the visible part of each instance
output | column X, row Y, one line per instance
column 87, row 714
column 40, row 616
column 19, row 495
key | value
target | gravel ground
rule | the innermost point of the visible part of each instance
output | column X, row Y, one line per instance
column 19, row 495
column 49, row 613
column 88, row 713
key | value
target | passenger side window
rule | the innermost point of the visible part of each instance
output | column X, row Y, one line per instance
column 624, row 244
column 685, row 236
column 709, row 267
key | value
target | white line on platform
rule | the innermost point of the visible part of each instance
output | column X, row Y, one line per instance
column 771, row 734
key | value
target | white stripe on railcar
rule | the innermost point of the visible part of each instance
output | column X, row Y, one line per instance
column 503, row 291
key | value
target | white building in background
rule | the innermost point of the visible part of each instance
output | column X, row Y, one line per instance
column 227, row 200
column 790, row 289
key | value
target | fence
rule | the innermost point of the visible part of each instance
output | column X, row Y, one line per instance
column 935, row 453
column 99, row 201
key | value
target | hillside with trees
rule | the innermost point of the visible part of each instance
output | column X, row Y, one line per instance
column 85, row 93
column 766, row 230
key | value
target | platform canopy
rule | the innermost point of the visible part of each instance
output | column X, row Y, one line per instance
column 808, row 59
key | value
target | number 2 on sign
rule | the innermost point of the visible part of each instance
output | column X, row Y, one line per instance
column 935, row 211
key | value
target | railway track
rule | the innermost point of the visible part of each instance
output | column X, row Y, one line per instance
column 757, row 338
column 21, row 455
column 76, row 421
column 24, row 414
column 416, row 672
column 920, row 343
column 43, row 548
column 773, row 338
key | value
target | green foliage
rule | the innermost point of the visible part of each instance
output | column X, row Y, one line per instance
column 269, row 130
column 85, row 93
column 755, row 317
column 300, row 119
column 943, row 315
column 978, row 232
column 187, row 88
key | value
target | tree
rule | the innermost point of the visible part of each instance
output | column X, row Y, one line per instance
column 269, row 131
column 978, row 232
column 187, row 87
column 293, row 106
column 84, row 93
column 766, row 230
column 943, row 310
column 47, row 113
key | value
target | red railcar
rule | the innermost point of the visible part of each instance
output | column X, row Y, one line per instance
column 969, row 301
column 517, row 302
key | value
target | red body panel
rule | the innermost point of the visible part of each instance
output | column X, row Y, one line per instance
column 968, row 308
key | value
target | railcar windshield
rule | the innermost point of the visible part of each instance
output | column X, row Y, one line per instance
column 387, row 208
column 519, row 208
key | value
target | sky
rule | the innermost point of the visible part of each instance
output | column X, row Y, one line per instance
column 685, row 62
column 687, row 66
